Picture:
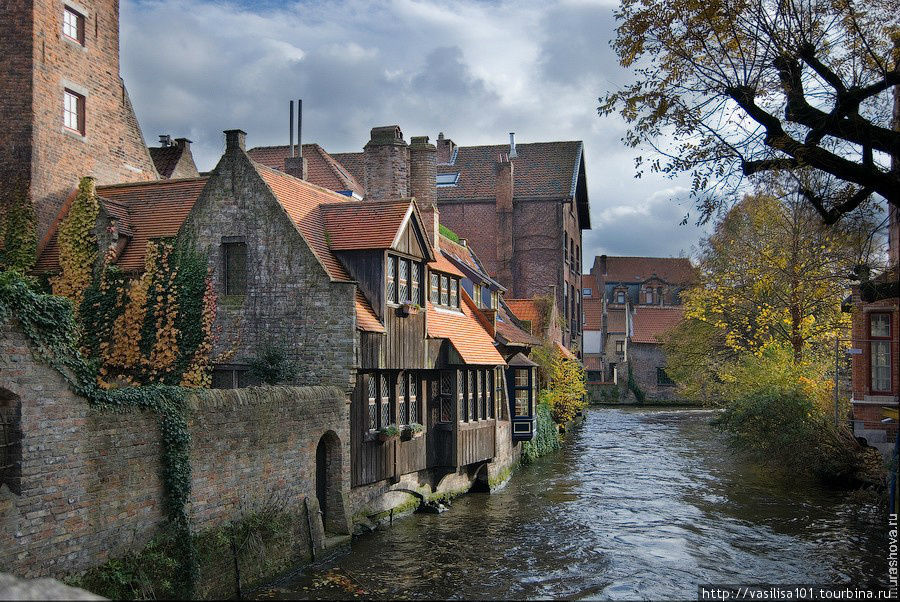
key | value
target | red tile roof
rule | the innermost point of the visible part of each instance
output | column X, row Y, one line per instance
column 675, row 270
column 442, row 264
column 365, row 224
column 616, row 320
column 565, row 351
column 365, row 315
column 322, row 169
column 652, row 322
column 588, row 281
column 525, row 310
column 512, row 334
column 166, row 158
column 144, row 211
column 592, row 362
column 593, row 314
column 461, row 328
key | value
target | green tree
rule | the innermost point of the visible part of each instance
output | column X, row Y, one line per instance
column 732, row 88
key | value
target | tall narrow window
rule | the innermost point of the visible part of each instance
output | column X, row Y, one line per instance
column 385, row 414
column 372, row 388
column 73, row 111
column 235, row 259
column 413, row 399
column 73, row 25
column 445, row 290
column 482, row 397
column 435, row 288
column 414, row 270
column 446, row 413
column 402, row 408
column 491, row 392
column 461, row 394
column 522, row 389
column 403, row 281
column 454, row 292
column 620, row 297
column 880, row 352
column 391, row 279
column 476, row 295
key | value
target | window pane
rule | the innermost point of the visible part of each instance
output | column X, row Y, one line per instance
column 391, row 276
column 404, row 280
column 522, row 403
column 385, row 402
column 880, row 325
column 414, row 283
column 471, row 395
column 235, row 268
column 413, row 399
column 461, row 393
column 454, row 292
column 881, row 365
column 445, row 290
column 73, row 25
column 372, row 396
column 402, row 417
column 435, row 289
column 521, row 377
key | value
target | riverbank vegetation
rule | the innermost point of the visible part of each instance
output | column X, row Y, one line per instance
column 760, row 328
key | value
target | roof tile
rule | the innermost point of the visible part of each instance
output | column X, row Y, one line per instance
column 650, row 323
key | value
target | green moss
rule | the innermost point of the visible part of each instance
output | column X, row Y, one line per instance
column 546, row 437
column 445, row 231
column 500, row 478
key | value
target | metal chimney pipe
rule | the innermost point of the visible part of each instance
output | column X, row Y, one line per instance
column 291, row 129
column 299, row 126
column 512, row 145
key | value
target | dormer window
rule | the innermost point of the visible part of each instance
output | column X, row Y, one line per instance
column 73, row 25
column 403, row 276
column 620, row 297
column 444, row 290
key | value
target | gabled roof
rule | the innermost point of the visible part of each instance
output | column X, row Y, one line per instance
column 468, row 261
column 166, row 159
column 365, row 224
column 650, row 323
column 143, row 211
column 588, row 281
column 322, row 168
column 303, row 203
column 674, row 270
column 442, row 264
column 510, row 334
column 617, row 321
column 461, row 328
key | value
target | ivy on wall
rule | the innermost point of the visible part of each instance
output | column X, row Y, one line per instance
column 49, row 323
column 18, row 237
column 77, row 244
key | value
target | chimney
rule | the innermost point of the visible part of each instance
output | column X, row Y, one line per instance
column 165, row 140
column 183, row 143
column 423, row 184
column 235, row 140
column 386, row 158
column 445, row 148
column 512, row 145
column 297, row 167
column 603, row 266
column 503, row 191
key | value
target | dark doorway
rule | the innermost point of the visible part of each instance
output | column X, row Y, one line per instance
column 328, row 481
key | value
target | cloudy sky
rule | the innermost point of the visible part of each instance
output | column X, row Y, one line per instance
column 473, row 70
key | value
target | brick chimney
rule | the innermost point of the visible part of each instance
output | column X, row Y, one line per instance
column 503, row 192
column 445, row 148
column 235, row 140
column 603, row 271
column 386, row 164
column 297, row 167
column 423, row 185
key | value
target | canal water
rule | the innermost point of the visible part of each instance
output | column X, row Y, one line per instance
column 640, row 504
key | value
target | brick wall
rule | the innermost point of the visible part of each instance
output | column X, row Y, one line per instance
column 290, row 300
column 860, row 329
column 38, row 64
column 644, row 360
column 90, row 485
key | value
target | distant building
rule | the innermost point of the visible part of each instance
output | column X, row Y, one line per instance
column 629, row 303
column 173, row 158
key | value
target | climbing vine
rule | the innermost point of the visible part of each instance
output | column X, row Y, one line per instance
column 156, row 328
column 49, row 323
column 18, row 237
column 77, row 244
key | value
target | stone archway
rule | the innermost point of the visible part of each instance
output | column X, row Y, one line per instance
column 329, row 476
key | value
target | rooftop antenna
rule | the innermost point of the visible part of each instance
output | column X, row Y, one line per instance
column 299, row 125
column 291, row 129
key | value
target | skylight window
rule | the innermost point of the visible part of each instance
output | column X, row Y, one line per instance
column 447, row 179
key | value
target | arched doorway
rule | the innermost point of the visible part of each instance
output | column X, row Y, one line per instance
column 328, row 482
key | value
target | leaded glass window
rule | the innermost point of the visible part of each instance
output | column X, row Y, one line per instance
column 372, row 405
column 391, row 280
column 473, row 410
column 880, row 352
column 446, row 413
column 404, row 281
column 445, row 290
column 435, row 288
column 454, row 292
column 413, row 399
column 402, row 409
column 461, row 394
column 414, row 271
column 385, row 416
column 492, row 401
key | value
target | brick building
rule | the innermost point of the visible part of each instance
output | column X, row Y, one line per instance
column 521, row 208
column 629, row 302
column 65, row 111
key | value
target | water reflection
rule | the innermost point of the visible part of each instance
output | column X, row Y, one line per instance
column 639, row 505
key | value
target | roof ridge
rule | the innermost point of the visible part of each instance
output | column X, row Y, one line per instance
column 167, row 181
column 339, row 198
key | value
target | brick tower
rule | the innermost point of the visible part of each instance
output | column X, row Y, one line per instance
column 63, row 106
